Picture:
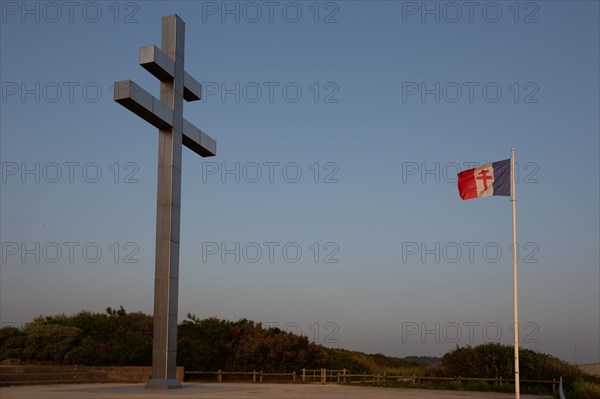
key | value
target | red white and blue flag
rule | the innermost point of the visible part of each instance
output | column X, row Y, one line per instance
column 487, row 180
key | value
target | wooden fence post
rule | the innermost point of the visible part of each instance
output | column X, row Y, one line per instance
column 323, row 376
column 294, row 377
column 253, row 375
column 344, row 376
column 261, row 376
column 303, row 375
column 220, row 376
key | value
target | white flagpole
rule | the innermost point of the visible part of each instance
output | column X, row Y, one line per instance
column 513, row 199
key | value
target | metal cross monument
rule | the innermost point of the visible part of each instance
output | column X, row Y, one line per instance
column 166, row 114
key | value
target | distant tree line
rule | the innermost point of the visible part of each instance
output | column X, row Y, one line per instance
column 119, row 338
column 94, row 339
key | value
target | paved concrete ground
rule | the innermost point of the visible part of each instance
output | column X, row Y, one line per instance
column 239, row 391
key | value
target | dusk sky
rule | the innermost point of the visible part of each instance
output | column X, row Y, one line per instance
column 331, row 208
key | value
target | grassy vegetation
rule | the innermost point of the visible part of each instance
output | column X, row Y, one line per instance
column 584, row 388
column 359, row 362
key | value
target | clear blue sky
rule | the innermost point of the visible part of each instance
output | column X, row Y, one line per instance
column 377, row 104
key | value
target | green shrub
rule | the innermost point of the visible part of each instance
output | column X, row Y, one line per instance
column 582, row 389
column 49, row 342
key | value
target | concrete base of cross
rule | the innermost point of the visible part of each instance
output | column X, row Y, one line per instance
column 162, row 383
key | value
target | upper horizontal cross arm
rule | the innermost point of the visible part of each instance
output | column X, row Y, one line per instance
column 155, row 61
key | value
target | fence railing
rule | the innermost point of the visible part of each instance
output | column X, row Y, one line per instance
column 257, row 376
column 324, row 376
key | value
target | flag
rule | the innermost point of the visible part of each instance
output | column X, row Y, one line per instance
column 487, row 180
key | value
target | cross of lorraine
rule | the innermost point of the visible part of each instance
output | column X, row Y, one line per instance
column 166, row 114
